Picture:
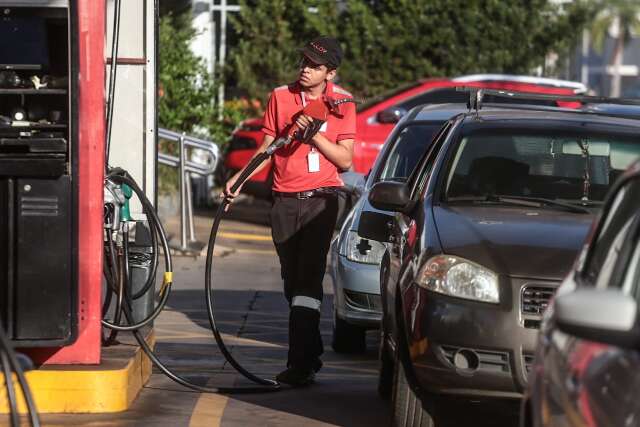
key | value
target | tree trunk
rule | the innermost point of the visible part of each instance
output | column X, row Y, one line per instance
column 616, row 78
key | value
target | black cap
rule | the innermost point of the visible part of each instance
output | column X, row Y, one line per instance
column 323, row 50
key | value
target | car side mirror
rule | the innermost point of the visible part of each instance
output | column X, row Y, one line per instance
column 390, row 115
column 390, row 196
column 375, row 226
column 606, row 316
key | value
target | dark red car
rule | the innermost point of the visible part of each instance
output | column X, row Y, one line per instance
column 377, row 116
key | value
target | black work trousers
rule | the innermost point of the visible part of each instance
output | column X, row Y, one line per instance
column 302, row 231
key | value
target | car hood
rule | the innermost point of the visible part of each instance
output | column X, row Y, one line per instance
column 518, row 242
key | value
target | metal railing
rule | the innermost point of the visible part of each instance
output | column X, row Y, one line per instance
column 186, row 168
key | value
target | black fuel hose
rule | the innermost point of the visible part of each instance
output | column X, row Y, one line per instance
column 119, row 176
column 115, row 40
column 118, row 287
column 7, row 350
column 14, row 416
column 265, row 385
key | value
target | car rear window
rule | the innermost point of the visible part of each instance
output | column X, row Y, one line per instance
column 578, row 167
column 406, row 151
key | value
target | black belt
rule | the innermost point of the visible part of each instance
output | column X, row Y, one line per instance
column 301, row 195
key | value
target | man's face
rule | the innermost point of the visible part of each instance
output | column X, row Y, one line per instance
column 312, row 74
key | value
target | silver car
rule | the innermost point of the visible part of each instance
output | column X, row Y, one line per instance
column 354, row 261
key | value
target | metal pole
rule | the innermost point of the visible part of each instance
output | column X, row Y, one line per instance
column 584, row 72
column 223, row 53
column 183, row 192
column 214, row 46
column 192, row 232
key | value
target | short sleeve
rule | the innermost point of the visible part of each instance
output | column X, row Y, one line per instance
column 348, row 128
column 270, row 122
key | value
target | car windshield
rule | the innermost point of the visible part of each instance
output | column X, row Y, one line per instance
column 406, row 151
column 532, row 164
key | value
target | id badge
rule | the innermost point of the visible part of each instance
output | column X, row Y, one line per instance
column 313, row 161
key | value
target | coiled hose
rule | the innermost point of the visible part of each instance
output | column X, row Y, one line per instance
column 120, row 285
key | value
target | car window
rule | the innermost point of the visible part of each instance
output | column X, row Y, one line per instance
column 631, row 280
column 407, row 149
column 573, row 168
column 370, row 102
column 435, row 96
column 421, row 176
column 618, row 230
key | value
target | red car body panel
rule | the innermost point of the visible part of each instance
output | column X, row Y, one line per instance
column 370, row 134
column 236, row 159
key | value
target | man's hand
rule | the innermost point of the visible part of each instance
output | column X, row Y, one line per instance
column 227, row 193
column 303, row 121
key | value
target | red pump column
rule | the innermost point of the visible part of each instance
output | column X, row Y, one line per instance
column 90, row 15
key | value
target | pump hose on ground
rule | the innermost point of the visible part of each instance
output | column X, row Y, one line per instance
column 11, row 364
column 120, row 176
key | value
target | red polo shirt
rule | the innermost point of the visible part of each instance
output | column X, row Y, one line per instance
column 291, row 171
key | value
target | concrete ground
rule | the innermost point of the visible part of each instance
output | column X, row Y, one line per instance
column 253, row 316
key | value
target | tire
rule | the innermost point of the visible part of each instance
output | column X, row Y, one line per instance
column 385, row 368
column 348, row 338
column 407, row 407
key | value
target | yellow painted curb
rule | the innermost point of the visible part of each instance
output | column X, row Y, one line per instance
column 84, row 389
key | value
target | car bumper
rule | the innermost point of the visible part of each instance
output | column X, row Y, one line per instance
column 356, row 291
column 471, row 348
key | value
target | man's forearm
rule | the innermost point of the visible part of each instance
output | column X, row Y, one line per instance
column 337, row 154
column 265, row 143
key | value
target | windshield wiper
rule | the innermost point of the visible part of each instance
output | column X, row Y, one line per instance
column 534, row 202
column 582, row 202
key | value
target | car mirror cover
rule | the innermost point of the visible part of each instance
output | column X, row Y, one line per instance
column 375, row 226
column 390, row 196
column 608, row 316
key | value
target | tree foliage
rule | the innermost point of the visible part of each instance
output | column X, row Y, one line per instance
column 626, row 12
column 269, row 33
column 186, row 90
column 391, row 42
column 187, row 93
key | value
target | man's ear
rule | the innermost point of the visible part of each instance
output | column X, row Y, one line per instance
column 331, row 75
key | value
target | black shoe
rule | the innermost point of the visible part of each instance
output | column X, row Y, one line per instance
column 296, row 377
column 317, row 365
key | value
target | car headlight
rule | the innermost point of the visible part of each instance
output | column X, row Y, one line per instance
column 362, row 250
column 460, row 278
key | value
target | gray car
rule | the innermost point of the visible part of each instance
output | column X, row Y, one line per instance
column 355, row 261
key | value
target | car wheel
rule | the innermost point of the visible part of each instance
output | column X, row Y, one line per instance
column 407, row 407
column 385, row 367
column 348, row 338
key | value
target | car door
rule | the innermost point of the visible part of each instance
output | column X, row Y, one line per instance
column 589, row 383
column 406, row 228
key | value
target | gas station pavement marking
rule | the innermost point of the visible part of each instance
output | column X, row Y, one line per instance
column 245, row 236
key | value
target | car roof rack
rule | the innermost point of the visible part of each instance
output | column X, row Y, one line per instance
column 577, row 87
column 476, row 95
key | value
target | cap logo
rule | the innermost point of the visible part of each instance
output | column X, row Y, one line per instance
column 318, row 47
